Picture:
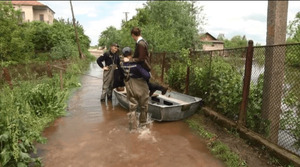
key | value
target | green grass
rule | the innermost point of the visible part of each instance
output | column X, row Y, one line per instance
column 217, row 148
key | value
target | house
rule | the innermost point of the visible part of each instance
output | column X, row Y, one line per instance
column 209, row 42
column 34, row 11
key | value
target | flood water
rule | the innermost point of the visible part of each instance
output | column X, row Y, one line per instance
column 96, row 134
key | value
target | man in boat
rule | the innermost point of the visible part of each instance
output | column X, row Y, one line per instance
column 112, row 62
column 142, row 56
column 136, row 78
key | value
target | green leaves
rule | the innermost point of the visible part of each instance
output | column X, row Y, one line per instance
column 166, row 25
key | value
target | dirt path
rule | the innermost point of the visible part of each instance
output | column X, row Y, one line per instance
column 96, row 134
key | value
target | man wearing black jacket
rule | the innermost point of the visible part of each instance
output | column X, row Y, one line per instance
column 112, row 62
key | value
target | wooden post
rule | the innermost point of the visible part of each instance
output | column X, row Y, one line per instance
column 246, row 85
column 61, row 80
column 76, row 34
column 49, row 70
column 7, row 77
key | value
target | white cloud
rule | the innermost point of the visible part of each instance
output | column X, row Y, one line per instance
column 241, row 18
column 94, row 28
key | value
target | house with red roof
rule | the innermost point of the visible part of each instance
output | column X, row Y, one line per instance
column 34, row 11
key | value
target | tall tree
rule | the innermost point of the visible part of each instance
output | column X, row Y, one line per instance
column 293, row 30
column 108, row 36
column 236, row 42
column 172, row 24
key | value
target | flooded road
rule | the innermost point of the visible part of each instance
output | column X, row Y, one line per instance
column 96, row 134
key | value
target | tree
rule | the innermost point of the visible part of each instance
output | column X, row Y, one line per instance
column 236, row 42
column 108, row 36
column 14, row 43
column 172, row 25
column 293, row 30
column 166, row 25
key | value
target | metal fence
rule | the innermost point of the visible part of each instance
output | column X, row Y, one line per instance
column 257, row 87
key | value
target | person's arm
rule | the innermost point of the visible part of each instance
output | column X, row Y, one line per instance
column 100, row 59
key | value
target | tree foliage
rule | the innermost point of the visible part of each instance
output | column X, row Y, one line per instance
column 166, row 25
column 12, row 38
column 21, row 42
column 235, row 42
column 109, row 36
column 293, row 30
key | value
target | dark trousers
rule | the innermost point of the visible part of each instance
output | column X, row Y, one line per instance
column 154, row 86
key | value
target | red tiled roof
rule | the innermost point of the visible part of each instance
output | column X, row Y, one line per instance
column 27, row 3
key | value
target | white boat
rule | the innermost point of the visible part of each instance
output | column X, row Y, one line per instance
column 172, row 106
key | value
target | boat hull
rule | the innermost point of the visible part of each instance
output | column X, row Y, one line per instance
column 172, row 106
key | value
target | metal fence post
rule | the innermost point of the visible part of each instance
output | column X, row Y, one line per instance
column 163, row 68
column 246, row 84
column 187, row 79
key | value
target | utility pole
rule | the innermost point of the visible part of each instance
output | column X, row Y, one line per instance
column 126, row 14
column 274, row 66
column 76, row 34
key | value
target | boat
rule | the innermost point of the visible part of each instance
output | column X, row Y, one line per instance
column 172, row 106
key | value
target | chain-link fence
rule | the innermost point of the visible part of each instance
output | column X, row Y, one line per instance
column 232, row 82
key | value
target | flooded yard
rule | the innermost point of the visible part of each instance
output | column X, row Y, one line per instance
column 97, row 133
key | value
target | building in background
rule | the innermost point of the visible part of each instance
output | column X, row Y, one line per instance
column 34, row 11
column 209, row 42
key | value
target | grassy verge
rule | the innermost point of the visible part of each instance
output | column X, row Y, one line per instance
column 217, row 148
column 31, row 106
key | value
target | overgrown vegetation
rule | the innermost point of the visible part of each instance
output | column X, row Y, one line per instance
column 28, row 109
column 35, row 101
column 26, row 42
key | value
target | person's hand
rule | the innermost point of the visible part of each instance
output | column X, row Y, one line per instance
column 105, row 68
column 126, row 59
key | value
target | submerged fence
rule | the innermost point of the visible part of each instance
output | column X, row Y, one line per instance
column 257, row 87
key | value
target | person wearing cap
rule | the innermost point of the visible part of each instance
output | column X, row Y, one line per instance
column 142, row 56
column 136, row 78
column 112, row 62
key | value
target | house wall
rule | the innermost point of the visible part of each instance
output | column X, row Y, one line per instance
column 28, row 12
column 206, row 38
column 50, row 16
column 34, row 14
column 213, row 46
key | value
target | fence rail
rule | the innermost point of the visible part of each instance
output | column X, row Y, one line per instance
column 256, row 86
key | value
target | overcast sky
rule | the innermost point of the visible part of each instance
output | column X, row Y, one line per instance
column 230, row 18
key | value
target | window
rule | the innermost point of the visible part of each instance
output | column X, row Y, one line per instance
column 41, row 17
column 23, row 15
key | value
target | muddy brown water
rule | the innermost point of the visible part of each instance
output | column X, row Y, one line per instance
column 96, row 134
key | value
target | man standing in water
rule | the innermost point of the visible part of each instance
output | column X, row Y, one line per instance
column 112, row 62
column 136, row 78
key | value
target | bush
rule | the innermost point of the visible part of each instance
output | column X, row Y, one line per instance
column 63, row 50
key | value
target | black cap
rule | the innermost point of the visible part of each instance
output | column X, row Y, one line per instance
column 126, row 51
column 114, row 44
